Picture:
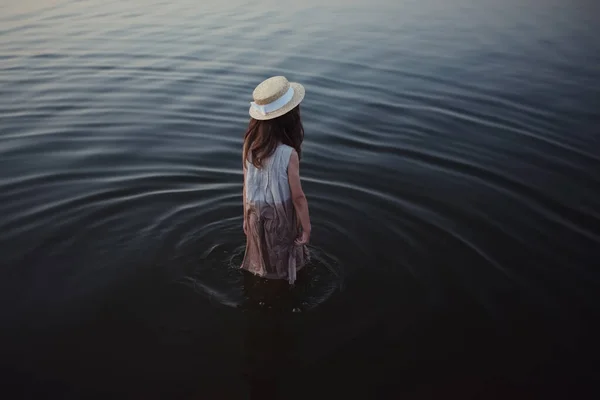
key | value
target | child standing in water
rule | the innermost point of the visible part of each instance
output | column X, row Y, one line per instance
column 276, row 219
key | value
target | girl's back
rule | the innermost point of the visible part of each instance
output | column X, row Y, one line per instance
column 269, row 184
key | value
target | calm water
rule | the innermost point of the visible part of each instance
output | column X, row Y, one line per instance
column 452, row 166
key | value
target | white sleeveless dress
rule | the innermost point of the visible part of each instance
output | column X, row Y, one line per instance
column 271, row 220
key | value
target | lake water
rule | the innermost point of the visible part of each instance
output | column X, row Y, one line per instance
column 451, row 163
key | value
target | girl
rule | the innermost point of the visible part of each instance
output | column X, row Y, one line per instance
column 276, row 220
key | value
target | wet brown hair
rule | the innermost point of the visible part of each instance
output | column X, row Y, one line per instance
column 262, row 137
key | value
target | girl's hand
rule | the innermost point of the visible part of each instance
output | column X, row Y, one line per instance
column 303, row 238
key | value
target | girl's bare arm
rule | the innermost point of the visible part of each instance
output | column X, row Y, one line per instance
column 244, row 198
column 298, row 197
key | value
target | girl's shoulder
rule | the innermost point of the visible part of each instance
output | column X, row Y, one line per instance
column 285, row 151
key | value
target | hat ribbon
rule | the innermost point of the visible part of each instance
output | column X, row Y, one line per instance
column 264, row 109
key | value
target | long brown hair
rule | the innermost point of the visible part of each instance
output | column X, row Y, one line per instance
column 262, row 137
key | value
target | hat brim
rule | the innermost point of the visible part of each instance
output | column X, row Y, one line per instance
column 297, row 99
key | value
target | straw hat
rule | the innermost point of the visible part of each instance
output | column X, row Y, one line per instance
column 275, row 97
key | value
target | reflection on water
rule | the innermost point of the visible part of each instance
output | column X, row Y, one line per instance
column 267, row 339
column 452, row 168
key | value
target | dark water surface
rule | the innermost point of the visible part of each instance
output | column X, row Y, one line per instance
column 452, row 166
